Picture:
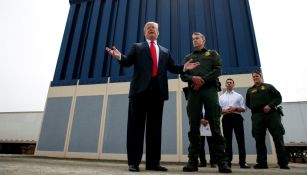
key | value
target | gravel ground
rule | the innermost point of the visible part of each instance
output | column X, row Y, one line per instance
column 31, row 165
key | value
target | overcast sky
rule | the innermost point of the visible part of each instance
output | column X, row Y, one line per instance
column 31, row 34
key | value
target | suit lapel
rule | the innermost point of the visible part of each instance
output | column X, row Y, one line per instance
column 145, row 45
column 160, row 57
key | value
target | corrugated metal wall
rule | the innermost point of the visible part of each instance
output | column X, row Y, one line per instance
column 94, row 24
column 295, row 122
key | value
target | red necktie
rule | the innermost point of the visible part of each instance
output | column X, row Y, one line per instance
column 154, row 58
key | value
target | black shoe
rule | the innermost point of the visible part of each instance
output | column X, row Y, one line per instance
column 134, row 168
column 156, row 168
column 189, row 167
column 229, row 164
column 202, row 164
column 224, row 168
column 261, row 166
column 286, row 167
column 244, row 166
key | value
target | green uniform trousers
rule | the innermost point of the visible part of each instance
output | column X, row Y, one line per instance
column 272, row 122
column 207, row 97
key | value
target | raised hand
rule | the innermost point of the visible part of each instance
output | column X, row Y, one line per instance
column 114, row 52
column 189, row 65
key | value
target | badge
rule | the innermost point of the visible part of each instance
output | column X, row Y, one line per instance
column 207, row 53
column 263, row 87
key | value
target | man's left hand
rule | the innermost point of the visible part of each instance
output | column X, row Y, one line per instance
column 197, row 82
column 204, row 122
column 267, row 108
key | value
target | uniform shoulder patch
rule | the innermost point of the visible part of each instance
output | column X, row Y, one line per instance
column 212, row 53
column 215, row 53
column 187, row 57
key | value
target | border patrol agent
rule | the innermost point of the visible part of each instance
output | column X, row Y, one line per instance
column 263, row 99
column 202, row 92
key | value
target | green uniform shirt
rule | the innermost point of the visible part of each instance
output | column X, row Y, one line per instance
column 259, row 96
column 210, row 67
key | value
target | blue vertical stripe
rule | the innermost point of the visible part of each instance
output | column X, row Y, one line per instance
column 93, row 25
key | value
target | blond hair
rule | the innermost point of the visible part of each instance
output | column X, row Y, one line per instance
column 151, row 23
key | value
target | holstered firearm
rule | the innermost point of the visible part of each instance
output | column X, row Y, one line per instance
column 186, row 92
column 279, row 110
column 218, row 85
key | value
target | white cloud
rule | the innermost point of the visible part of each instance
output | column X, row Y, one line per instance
column 281, row 39
column 31, row 33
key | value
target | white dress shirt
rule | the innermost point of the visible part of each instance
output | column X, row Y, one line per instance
column 231, row 99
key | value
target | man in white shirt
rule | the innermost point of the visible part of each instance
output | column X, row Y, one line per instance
column 232, row 104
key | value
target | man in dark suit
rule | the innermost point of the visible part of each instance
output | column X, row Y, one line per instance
column 148, row 91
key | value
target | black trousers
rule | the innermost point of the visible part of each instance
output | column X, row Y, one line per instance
column 145, row 111
column 205, row 98
column 271, row 121
column 202, row 153
column 234, row 122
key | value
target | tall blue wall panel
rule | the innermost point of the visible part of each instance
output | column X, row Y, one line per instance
column 93, row 25
column 54, row 126
column 86, row 124
column 116, row 125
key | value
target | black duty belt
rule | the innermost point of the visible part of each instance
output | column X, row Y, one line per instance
column 232, row 115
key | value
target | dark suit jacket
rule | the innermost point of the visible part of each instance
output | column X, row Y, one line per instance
column 139, row 56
